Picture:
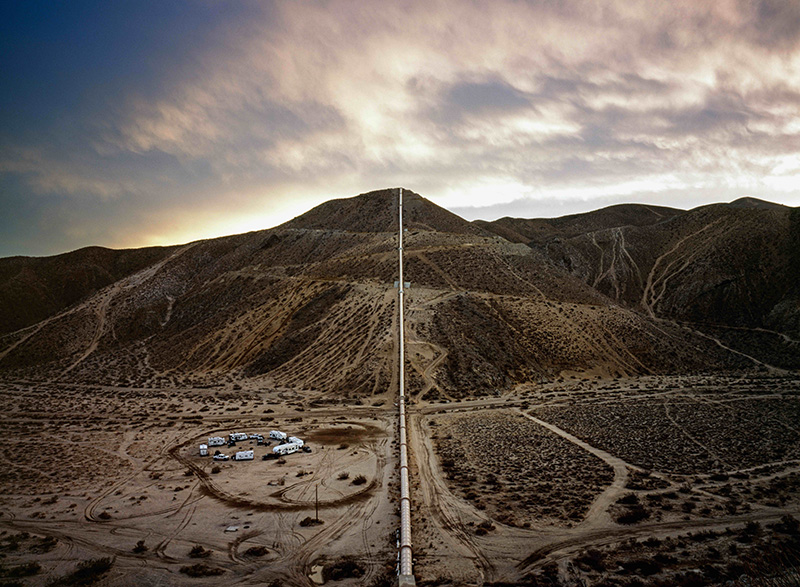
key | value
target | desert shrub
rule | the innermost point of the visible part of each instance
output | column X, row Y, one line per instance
column 644, row 567
column 344, row 568
column 309, row 521
column 215, row 469
column 343, row 476
column 198, row 551
column 256, row 551
column 104, row 516
column 140, row 547
column 632, row 515
column 629, row 499
column 591, row 559
column 201, row 570
column 87, row 573
column 45, row 545
column 25, row 570
column 359, row 480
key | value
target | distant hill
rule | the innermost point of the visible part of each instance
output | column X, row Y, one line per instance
column 539, row 230
column 309, row 305
column 33, row 288
column 748, row 202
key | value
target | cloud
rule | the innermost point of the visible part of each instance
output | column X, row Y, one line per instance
column 476, row 105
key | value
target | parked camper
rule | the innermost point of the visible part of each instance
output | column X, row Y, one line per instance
column 237, row 436
column 254, row 436
column 244, row 455
column 285, row 449
column 295, row 440
column 216, row 441
column 277, row 435
column 203, row 450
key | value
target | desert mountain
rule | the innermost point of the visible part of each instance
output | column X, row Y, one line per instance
column 309, row 305
column 539, row 230
column 731, row 270
column 33, row 288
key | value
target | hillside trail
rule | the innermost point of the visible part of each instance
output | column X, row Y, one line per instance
column 34, row 331
column 772, row 369
column 101, row 312
column 649, row 300
column 617, row 264
column 102, row 306
column 425, row 356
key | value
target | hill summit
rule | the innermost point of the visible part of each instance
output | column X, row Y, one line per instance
column 377, row 212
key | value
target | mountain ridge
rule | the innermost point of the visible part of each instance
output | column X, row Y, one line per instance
column 308, row 305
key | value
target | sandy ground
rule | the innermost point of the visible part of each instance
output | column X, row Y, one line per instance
column 101, row 469
column 142, row 478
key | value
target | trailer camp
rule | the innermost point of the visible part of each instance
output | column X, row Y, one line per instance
column 287, row 445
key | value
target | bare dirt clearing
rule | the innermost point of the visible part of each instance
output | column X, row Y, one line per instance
column 97, row 470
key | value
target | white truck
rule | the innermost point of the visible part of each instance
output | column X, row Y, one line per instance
column 237, row 436
column 285, row 449
column 203, row 450
column 277, row 435
column 221, row 457
column 295, row 440
column 244, row 455
column 216, row 441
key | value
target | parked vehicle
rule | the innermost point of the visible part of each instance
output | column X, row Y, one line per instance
column 277, row 435
column 203, row 450
column 285, row 449
column 237, row 436
column 244, row 455
column 216, row 441
column 221, row 457
column 295, row 440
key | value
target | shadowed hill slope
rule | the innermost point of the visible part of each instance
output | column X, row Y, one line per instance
column 539, row 230
column 33, row 288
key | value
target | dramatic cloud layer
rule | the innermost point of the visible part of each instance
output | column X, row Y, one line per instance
column 127, row 125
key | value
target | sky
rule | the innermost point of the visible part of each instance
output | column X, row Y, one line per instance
column 129, row 124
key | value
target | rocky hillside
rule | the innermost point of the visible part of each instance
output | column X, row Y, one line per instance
column 309, row 305
column 726, row 268
column 33, row 288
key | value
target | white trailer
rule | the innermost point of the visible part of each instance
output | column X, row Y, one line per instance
column 285, row 449
column 277, row 435
column 216, row 441
column 237, row 436
column 244, row 455
column 203, row 450
column 295, row 440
